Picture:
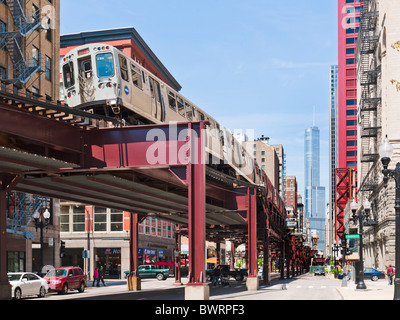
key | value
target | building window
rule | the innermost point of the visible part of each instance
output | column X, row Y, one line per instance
column 351, row 133
column 351, row 153
column 352, row 112
column 352, row 143
column 351, row 164
column 47, row 68
column 100, row 219
column 78, row 219
column 3, row 73
column 64, row 219
column 351, row 123
column 35, row 56
column 117, row 221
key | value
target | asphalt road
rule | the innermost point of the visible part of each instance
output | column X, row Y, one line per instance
column 304, row 287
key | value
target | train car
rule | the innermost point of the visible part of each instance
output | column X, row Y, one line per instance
column 102, row 79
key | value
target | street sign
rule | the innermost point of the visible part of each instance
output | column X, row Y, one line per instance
column 352, row 236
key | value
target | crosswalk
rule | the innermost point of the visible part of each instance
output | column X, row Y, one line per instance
column 287, row 286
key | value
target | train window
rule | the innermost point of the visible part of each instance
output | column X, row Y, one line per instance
column 124, row 68
column 86, row 69
column 181, row 106
column 201, row 116
column 105, row 65
column 172, row 100
column 68, row 71
column 189, row 111
column 136, row 77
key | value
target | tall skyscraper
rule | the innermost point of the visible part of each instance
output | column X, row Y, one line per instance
column 350, row 12
column 333, row 145
column 314, row 193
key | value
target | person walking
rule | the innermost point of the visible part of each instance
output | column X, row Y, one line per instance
column 101, row 276
column 390, row 274
column 96, row 277
column 217, row 275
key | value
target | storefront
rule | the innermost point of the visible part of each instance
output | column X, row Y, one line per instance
column 110, row 260
column 152, row 255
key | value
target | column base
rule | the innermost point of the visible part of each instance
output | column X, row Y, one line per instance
column 252, row 284
column 5, row 291
column 197, row 292
column 134, row 283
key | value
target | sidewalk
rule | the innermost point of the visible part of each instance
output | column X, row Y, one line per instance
column 376, row 290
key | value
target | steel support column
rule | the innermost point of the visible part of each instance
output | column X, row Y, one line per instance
column 5, row 288
column 196, row 289
column 177, row 256
column 266, row 263
column 252, row 279
column 134, row 282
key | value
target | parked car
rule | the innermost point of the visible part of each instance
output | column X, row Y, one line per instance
column 66, row 278
column 153, row 271
column 25, row 284
column 319, row 272
column 369, row 273
column 237, row 274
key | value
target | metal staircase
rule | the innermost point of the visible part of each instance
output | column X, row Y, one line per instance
column 20, row 208
column 15, row 41
column 370, row 99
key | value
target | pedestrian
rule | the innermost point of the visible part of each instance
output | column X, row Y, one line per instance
column 101, row 276
column 96, row 277
column 217, row 276
column 390, row 273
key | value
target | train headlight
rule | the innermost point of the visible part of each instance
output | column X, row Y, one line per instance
column 102, row 86
column 109, row 84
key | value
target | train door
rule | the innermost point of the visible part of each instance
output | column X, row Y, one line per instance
column 86, row 80
column 156, row 102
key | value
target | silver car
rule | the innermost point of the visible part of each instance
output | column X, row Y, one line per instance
column 25, row 284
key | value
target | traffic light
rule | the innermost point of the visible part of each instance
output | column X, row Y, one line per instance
column 62, row 249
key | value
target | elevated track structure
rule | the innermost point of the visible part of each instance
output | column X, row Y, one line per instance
column 50, row 150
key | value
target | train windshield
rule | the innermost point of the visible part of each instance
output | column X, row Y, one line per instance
column 68, row 71
column 105, row 65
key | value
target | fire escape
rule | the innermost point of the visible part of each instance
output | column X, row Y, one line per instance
column 370, row 99
column 20, row 209
column 17, row 41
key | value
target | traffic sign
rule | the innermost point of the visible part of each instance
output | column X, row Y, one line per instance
column 352, row 236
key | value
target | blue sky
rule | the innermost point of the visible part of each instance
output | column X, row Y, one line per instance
column 254, row 64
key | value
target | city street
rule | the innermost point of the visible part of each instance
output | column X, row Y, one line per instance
column 305, row 287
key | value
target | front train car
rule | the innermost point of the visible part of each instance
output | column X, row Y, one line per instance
column 89, row 77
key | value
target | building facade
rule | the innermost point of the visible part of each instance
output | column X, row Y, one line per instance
column 290, row 197
column 314, row 205
column 349, row 17
column 333, row 151
column 105, row 234
column 266, row 158
column 29, row 59
column 378, row 59
column 29, row 56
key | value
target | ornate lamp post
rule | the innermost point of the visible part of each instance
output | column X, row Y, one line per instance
column 41, row 225
column 386, row 152
column 360, row 216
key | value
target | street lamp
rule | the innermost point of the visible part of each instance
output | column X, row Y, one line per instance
column 41, row 225
column 360, row 216
column 386, row 152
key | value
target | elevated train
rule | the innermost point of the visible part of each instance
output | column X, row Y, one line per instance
column 102, row 79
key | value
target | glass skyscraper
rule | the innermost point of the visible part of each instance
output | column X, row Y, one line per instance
column 314, row 193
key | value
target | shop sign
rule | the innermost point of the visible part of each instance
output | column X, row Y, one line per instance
column 109, row 251
column 150, row 252
column 161, row 254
